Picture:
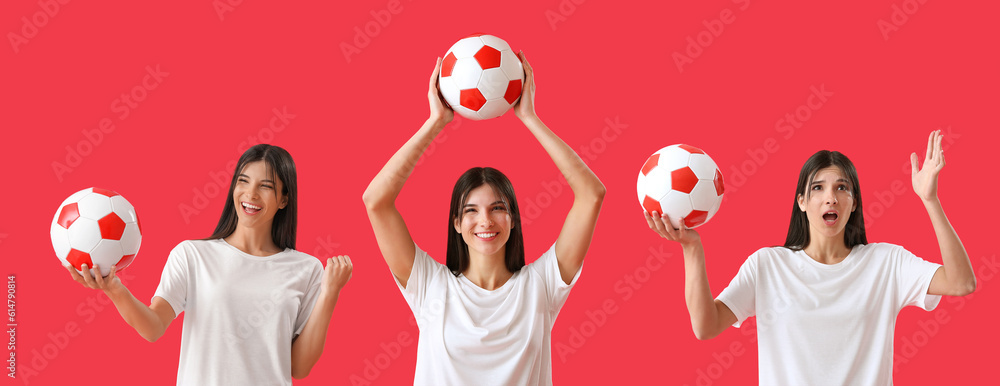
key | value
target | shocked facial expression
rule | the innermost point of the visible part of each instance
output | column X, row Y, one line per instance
column 484, row 221
column 828, row 202
column 257, row 195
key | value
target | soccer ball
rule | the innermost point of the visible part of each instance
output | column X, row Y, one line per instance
column 681, row 181
column 481, row 77
column 96, row 226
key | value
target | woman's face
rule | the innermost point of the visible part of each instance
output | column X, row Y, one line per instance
column 828, row 202
column 484, row 221
column 256, row 196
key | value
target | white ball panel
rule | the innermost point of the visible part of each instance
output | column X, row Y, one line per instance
column 95, row 206
column 131, row 239
column 123, row 209
column 703, row 195
column 494, row 108
column 495, row 42
column 493, row 83
column 449, row 90
column 676, row 205
column 465, row 112
column 466, row 73
column 511, row 65
column 106, row 254
column 703, row 166
column 673, row 157
column 467, row 47
column 84, row 234
column 60, row 241
column 657, row 183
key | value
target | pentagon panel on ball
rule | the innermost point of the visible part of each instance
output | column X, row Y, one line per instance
column 681, row 181
column 481, row 77
column 96, row 227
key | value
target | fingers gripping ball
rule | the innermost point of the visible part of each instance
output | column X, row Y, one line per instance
column 481, row 77
column 96, row 226
column 681, row 181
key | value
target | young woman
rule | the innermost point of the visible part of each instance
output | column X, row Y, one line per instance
column 256, row 310
column 826, row 302
column 486, row 318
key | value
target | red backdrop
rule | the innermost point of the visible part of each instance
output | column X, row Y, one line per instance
column 154, row 100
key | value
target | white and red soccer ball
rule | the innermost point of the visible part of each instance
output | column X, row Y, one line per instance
column 682, row 182
column 96, row 227
column 481, row 77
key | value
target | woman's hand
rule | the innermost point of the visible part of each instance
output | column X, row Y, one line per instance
column 525, row 107
column 337, row 273
column 660, row 224
column 92, row 278
column 925, row 179
column 440, row 112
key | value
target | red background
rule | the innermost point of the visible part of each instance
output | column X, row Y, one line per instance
column 597, row 61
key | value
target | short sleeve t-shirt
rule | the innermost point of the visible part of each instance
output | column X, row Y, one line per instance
column 241, row 311
column 473, row 336
column 820, row 324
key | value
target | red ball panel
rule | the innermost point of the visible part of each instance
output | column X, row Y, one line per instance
column 683, row 180
column 513, row 91
column 112, row 227
column 105, row 192
column 651, row 205
column 448, row 64
column 650, row 163
column 720, row 187
column 472, row 99
column 124, row 262
column 488, row 57
column 697, row 217
column 77, row 259
column 68, row 214
column 691, row 149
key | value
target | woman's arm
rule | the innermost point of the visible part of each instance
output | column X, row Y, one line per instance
column 956, row 277
column 709, row 317
column 308, row 346
column 149, row 321
column 393, row 237
column 588, row 191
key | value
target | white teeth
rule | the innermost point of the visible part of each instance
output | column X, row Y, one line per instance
column 251, row 206
column 486, row 235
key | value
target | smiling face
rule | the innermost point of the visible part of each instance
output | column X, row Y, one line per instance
column 257, row 196
column 828, row 203
column 484, row 222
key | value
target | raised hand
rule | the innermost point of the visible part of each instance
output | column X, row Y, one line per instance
column 337, row 273
column 660, row 224
column 92, row 278
column 439, row 111
column 525, row 107
column 925, row 178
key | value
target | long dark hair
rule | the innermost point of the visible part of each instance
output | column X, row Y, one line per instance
column 280, row 167
column 458, row 250
column 798, row 227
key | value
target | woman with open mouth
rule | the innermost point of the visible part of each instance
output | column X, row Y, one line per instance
column 827, row 300
column 256, row 310
column 486, row 317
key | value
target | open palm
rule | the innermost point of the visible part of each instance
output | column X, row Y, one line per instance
column 925, row 178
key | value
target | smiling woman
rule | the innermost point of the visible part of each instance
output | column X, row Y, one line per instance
column 256, row 310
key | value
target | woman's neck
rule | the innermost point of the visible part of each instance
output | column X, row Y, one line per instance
column 256, row 242
column 827, row 250
column 487, row 272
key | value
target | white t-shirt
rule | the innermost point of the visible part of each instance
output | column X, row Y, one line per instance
column 472, row 336
column 241, row 311
column 820, row 324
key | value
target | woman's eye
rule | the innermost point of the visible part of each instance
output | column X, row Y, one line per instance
column 499, row 207
column 266, row 186
column 470, row 210
column 817, row 187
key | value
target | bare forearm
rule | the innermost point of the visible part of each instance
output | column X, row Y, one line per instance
column 698, row 294
column 389, row 181
column 138, row 315
column 958, row 269
column 308, row 347
column 581, row 179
